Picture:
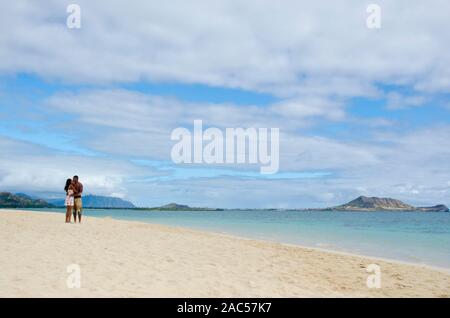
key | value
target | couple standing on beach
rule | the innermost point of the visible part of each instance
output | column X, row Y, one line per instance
column 73, row 189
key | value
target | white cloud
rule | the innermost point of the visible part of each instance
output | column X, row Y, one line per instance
column 290, row 49
column 137, row 124
column 309, row 107
column 398, row 101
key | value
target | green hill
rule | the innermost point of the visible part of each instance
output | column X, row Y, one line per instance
column 20, row 200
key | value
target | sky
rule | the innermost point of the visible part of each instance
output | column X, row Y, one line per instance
column 361, row 111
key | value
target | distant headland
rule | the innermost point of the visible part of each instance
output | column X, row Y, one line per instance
column 363, row 203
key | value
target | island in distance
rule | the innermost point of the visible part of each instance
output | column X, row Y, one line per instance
column 363, row 203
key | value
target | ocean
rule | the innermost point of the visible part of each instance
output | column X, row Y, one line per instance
column 414, row 237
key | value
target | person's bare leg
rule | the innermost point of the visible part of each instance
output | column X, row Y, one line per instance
column 79, row 217
column 68, row 214
column 75, row 211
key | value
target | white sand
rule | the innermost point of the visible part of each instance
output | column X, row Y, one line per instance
column 130, row 259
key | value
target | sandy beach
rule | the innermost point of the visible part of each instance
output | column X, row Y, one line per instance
column 131, row 259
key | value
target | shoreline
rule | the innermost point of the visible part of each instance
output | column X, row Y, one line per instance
column 127, row 258
column 319, row 249
column 237, row 236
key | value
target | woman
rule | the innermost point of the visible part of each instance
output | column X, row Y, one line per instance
column 69, row 199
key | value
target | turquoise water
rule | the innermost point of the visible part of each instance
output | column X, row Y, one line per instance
column 406, row 236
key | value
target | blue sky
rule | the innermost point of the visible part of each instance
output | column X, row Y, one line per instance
column 360, row 111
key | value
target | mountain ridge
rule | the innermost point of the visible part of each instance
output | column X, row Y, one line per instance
column 98, row 201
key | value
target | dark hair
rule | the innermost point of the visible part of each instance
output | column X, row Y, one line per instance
column 68, row 182
column 75, row 177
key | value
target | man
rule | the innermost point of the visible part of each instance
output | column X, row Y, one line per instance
column 78, row 205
